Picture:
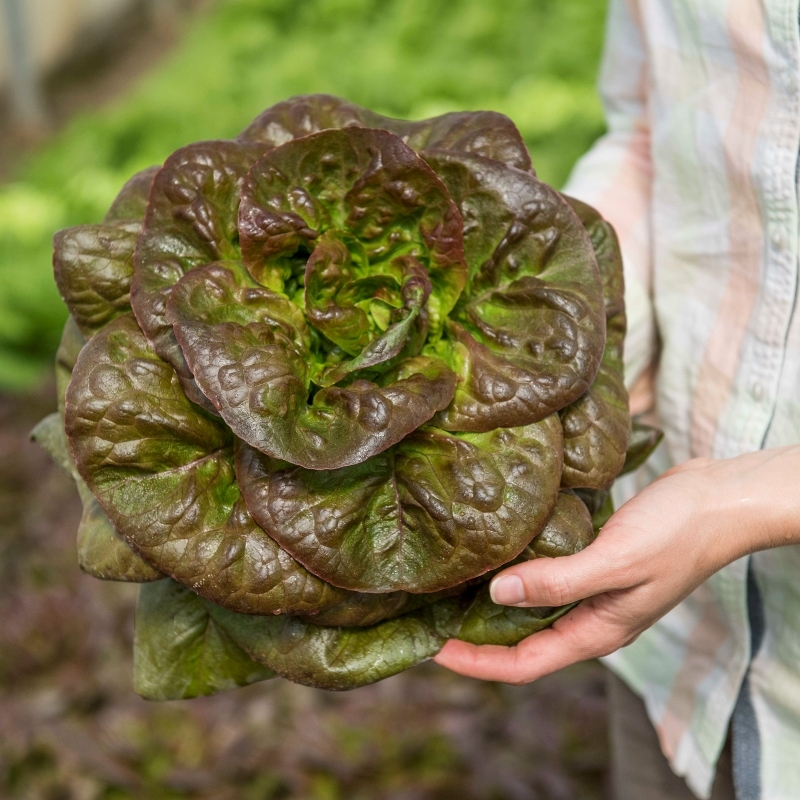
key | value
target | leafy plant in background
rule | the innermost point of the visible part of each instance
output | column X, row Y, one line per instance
column 328, row 377
column 534, row 60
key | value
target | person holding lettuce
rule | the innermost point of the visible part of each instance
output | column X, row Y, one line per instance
column 692, row 589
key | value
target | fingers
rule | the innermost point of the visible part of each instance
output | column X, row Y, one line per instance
column 578, row 636
column 559, row 581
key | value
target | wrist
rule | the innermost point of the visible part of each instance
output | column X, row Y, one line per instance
column 757, row 502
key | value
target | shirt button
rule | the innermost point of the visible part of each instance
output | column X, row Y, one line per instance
column 757, row 391
column 778, row 239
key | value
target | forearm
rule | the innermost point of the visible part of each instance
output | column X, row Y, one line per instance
column 752, row 500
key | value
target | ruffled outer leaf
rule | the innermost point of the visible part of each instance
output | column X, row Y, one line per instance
column 190, row 221
column 251, row 357
column 185, row 646
column 130, row 205
column 169, row 618
column 488, row 623
column 346, row 657
column 49, row 435
column 527, row 336
column 69, row 348
column 162, row 470
column 599, row 503
column 360, row 610
column 343, row 658
column 568, row 530
column 644, row 440
column 432, row 512
column 597, row 426
column 101, row 551
column 180, row 652
column 93, row 267
column 485, row 133
column 609, row 257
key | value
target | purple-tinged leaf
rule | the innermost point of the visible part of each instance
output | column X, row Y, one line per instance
column 190, row 221
column 180, row 652
column 343, row 658
column 162, row 470
column 597, row 426
column 485, row 133
column 644, row 440
column 93, row 264
column 527, row 336
column 435, row 510
column 567, row 531
column 93, row 267
column 130, row 205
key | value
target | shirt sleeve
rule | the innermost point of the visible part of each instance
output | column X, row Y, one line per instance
column 615, row 177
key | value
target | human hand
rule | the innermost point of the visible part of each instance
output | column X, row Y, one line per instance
column 659, row 547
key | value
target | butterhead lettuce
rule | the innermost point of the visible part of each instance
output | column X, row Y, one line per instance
column 321, row 382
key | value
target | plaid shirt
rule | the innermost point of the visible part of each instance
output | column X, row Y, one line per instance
column 698, row 175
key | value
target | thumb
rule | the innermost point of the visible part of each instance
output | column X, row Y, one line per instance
column 559, row 581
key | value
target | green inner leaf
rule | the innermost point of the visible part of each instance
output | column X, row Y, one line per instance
column 254, row 362
column 371, row 185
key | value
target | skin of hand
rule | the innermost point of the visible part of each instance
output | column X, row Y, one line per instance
column 653, row 552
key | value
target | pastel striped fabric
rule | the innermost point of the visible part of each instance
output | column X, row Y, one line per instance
column 698, row 173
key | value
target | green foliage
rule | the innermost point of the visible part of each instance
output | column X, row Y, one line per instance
column 534, row 60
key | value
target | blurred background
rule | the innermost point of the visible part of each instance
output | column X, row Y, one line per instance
column 92, row 91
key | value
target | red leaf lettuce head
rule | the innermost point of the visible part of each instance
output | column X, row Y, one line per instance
column 321, row 381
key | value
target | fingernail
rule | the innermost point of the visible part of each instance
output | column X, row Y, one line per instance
column 507, row 591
